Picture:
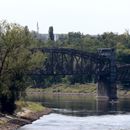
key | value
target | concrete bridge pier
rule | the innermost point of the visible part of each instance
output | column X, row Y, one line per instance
column 113, row 91
column 106, row 87
column 102, row 91
column 106, row 91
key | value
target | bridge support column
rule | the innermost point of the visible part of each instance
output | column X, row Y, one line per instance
column 106, row 91
column 106, row 87
column 102, row 91
column 113, row 91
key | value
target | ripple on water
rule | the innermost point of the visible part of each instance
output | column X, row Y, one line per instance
column 62, row 122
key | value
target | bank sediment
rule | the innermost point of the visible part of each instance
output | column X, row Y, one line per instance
column 13, row 122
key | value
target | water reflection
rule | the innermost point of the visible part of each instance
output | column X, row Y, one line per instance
column 79, row 108
column 106, row 107
column 81, row 105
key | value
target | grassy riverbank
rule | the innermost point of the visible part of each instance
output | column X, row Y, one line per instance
column 88, row 89
column 65, row 88
column 25, row 113
column 35, row 107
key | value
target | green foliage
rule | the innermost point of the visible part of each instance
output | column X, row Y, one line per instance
column 15, row 61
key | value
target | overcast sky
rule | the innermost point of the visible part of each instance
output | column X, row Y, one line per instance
column 86, row 16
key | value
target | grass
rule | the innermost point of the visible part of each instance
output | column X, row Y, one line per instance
column 89, row 88
column 35, row 107
column 65, row 88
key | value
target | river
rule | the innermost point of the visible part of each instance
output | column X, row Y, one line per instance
column 80, row 112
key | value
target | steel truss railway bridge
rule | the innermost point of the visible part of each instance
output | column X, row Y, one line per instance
column 101, row 66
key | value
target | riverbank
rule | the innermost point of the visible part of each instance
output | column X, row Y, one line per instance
column 26, row 113
column 77, row 89
column 66, row 89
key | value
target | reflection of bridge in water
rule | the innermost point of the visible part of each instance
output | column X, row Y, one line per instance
column 100, row 66
column 80, row 105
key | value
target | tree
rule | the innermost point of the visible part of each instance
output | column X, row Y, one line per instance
column 51, row 35
column 15, row 61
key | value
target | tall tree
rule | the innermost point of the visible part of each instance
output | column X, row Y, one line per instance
column 15, row 61
column 51, row 34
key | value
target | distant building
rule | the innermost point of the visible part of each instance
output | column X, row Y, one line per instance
column 45, row 37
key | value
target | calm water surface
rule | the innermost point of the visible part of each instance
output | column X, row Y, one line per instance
column 77, row 112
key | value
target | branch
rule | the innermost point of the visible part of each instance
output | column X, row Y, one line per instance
column 3, row 61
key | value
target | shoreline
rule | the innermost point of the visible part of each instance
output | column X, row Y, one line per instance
column 15, row 122
column 62, row 93
column 88, row 89
column 120, row 94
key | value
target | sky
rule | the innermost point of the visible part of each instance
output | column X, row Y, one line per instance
column 85, row 16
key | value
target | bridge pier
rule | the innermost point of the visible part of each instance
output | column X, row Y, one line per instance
column 107, row 87
column 113, row 91
column 106, row 91
column 102, row 91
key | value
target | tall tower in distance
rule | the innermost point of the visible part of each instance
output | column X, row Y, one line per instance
column 37, row 28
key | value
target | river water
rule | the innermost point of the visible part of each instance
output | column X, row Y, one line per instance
column 80, row 112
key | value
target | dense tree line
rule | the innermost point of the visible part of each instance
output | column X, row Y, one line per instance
column 89, row 43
